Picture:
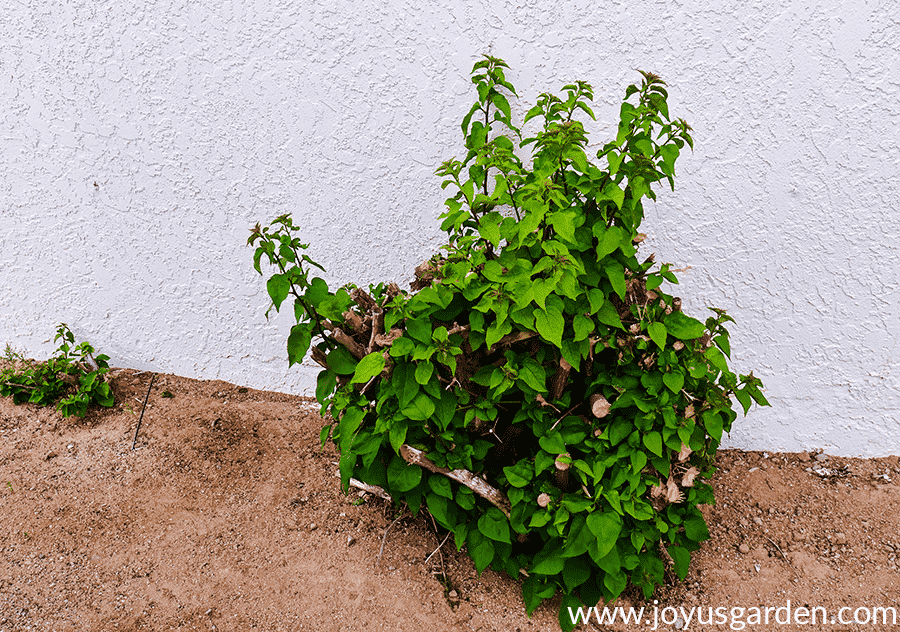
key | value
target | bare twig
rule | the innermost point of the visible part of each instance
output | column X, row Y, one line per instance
column 563, row 416
column 518, row 336
column 30, row 388
column 558, row 381
column 375, row 490
column 353, row 320
column 353, row 347
column 783, row 556
column 384, row 537
column 377, row 327
column 440, row 546
column 467, row 478
column 143, row 408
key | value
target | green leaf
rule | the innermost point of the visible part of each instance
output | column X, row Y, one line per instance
column 583, row 326
column 465, row 498
column 570, row 604
column 712, row 421
column 402, row 346
column 610, row 240
column 481, row 549
column 520, row 474
column 316, row 292
column 493, row 271
column 103, row 395
column 716, row 358
column 494, row 525
column 403, row 476
column 614, row 161
column 398, row 433
column 638, row 461
column 563, row 224
column 445, row 408
column 653, row 441
column 575, row 572
column 541, row 289
column 496, row 331
column 441, row 509
column 533, row 375
column 596, row 299
column 757, row 395
column 723, row 344
column 683, row 327
column 674, row 381
column 420, row 329
column 681, row 558
column 579, row 538
column 695, row 529
column 606, row 527
column 613, row 192
column 368, row 367
column 348, row 425
column 698, row 370
column 744, row 399
column 658, row 334
column 298, row 343
column 423, row 372
column 540, row 518
column 345, row 467
column 616, row 273
column 552, row 443
column 440, row 485
column 420, row 408
column 550, row 324
column 341, row 361
column 489, row 227
column 278, row 287
column 615, row 583
column 548, row 562
column 620, row 429
column 534, row 590
column 404, row 381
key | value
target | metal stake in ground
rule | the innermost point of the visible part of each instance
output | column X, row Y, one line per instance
column 143, row 408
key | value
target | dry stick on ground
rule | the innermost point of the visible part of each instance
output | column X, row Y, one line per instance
column 384, row 537
column 143, row 408
column 477, row 485
column 443, row 570
column 783, row 556
column 440, row 546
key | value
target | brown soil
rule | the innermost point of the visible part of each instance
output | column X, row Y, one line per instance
column 228, row 517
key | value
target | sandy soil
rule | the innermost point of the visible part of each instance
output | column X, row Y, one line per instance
column 227, row 516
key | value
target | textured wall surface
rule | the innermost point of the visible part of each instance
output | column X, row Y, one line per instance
column 139, row 142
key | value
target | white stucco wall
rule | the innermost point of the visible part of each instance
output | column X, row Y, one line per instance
column 139, row 142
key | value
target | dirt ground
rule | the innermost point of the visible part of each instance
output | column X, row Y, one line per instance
column 227, row 516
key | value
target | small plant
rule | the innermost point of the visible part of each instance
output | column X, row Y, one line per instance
column 539, row 393
column 73, row 379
